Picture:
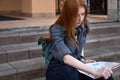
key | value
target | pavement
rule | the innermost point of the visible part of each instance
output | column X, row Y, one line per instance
column 45, row 21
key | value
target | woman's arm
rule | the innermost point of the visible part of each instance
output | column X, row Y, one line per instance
column 69, row 60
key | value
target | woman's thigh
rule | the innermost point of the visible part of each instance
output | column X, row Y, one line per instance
column 61, row 72
column 84, row 77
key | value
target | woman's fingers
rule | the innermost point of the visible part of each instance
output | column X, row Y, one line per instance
column 107, row 72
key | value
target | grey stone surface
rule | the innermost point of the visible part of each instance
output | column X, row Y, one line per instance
column 92, row 44
column 105, row 42
column 116, row 41
column 113, row 10
column 23, row 69
column 15, row 55
column 9, row 77
column 3, row 56
column 35, row 52
column 28, row 65
column 2, row 51
column 25, row 61
column 104, row 54
column 8, row 39
column 29, row 75
column 28, row 37
column 32, row 36
column 113, row 14
column 22, row 36
column 97, row 52
column 20, row 52
column 24, row 29
column 6, row 69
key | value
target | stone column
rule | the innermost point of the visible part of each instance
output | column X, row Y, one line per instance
column 43, row 7
column 35, row 8
column 26, row 8
column 113, row 10
column 118, row 10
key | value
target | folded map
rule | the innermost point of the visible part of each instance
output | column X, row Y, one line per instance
column 99, row 65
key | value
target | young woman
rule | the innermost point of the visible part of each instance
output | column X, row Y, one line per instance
column 68, row 36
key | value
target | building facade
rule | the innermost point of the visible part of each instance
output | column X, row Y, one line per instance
column 29, row 8
column 35, row 8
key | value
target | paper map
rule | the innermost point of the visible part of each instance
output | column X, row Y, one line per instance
column 99, row 65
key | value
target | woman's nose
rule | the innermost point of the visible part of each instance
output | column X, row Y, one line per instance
column 79, row 19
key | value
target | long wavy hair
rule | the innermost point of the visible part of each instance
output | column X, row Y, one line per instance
column 68, row 17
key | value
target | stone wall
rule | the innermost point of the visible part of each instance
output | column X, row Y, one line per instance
column 114, row 10
column 118, row 10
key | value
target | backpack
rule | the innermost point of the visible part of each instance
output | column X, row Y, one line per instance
column 45, row 48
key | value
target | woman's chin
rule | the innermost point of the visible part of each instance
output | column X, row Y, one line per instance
column 77, row 25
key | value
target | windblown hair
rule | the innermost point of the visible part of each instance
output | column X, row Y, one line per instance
column 68, row 17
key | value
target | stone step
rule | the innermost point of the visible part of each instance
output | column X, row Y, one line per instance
column 21, row 35
column 104, row 40
column 24, row 51
column 21, row 56
column 23, row 69
column 104, row 28
column 18, row 38
column 110, row 53
column 17, row 52
column 35, row 68
column 24, row 29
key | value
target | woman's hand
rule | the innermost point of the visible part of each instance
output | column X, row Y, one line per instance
column 104, row 72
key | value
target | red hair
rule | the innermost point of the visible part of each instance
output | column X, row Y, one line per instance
column 68, row 17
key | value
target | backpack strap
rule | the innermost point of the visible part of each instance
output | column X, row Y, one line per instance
column 44, row 39
column 45, row 48
column 41, row 41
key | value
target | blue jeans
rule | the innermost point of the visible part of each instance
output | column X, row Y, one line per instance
column 60, row 71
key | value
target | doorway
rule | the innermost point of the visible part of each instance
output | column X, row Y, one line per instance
column 98, row 7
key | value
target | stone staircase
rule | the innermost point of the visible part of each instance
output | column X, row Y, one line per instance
column 21, row 56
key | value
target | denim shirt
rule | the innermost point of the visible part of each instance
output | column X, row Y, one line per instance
column 60, row 45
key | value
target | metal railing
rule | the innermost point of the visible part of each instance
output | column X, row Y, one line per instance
column 94, row 6
column 97, row 6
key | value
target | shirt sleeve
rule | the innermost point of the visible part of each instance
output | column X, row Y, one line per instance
column 58, row 48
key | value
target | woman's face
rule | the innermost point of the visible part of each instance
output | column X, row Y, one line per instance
column 80, row 16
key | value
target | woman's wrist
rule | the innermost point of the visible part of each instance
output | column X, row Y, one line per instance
column 83, row 58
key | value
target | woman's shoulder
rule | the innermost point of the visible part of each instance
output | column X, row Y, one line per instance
column 57, row 30
column 56, row 27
